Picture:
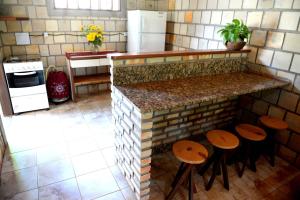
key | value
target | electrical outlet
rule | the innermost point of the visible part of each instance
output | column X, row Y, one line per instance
column 46, row 34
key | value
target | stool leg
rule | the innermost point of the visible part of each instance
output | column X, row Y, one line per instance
column 205, row 167
column 224, row 172
column 191, row 185
column 252, row 158
column 214, row 172
column 178, row 174
column 271, row 146
column 219, row 170
column 272, row 153
column 244, row 162
column 183, row 177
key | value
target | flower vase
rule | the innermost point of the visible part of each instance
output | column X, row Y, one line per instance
column 95, row 48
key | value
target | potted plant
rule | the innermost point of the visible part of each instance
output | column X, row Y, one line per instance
column 94, row 35
column 235, row 35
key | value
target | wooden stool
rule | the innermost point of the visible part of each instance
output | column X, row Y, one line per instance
column 222, row 141
column 190, row 154
column 251, row 135
column 272, row 125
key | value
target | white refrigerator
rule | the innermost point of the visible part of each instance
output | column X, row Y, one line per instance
column 146, row 31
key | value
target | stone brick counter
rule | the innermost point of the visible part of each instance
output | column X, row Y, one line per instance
column 196, row 93
column 161, row 95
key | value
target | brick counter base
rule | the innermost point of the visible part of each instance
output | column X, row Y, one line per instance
column 136, row 134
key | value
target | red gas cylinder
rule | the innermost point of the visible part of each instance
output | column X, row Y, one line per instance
column 58, row 85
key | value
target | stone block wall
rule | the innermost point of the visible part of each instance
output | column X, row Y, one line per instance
column 274, row 45
column 187, row 121
column 53, row 48
column 133, row 143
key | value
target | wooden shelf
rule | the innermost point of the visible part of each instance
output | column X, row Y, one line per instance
column 85, row 59
column 88, row 55
column 91, row 79
column 12, row 18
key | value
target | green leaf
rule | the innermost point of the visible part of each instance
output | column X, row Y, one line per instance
column 235, row 31
column 236, row 22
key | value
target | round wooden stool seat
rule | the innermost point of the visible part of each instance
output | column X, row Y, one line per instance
column 251, row 132
column 273, row 123
column 222, row 139
column 190, row 152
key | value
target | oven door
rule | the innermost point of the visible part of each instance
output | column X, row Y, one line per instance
column 25, row 79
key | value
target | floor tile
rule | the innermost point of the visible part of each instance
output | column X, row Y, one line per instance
column 113, row 196
column 18, row 181
column 156, row 193
column 88, row 162
column 51, row 153
column 105, row 140
column 128, row 194
column 66, row 190
column 83, row 145
column 28, row 195
column 55, row 171
column 92, row 113
column 18, row 161
column 23, row 142
column 101, row 124
column 109, row 156
column 120, row 179
column 97, row 184
column 77, row 131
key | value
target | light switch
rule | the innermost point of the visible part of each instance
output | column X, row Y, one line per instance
column 22, row 38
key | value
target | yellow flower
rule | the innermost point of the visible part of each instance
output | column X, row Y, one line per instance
column 93, row 33
column 91, row 36
column 93, row 27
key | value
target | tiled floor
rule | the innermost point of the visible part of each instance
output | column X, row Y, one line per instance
column 63, row 153
column 67, row 153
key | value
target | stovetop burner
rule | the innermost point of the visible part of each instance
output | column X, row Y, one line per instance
column 23, row 58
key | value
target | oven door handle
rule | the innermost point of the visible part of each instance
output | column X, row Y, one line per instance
column 24, row 73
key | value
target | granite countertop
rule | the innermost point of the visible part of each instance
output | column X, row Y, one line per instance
column 160, row 95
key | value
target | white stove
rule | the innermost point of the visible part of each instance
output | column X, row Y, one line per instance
column 26, row 83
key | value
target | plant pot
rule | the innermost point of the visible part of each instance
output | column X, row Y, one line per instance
column 235, row 46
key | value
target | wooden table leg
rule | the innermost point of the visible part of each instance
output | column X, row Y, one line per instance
column 71, row 79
